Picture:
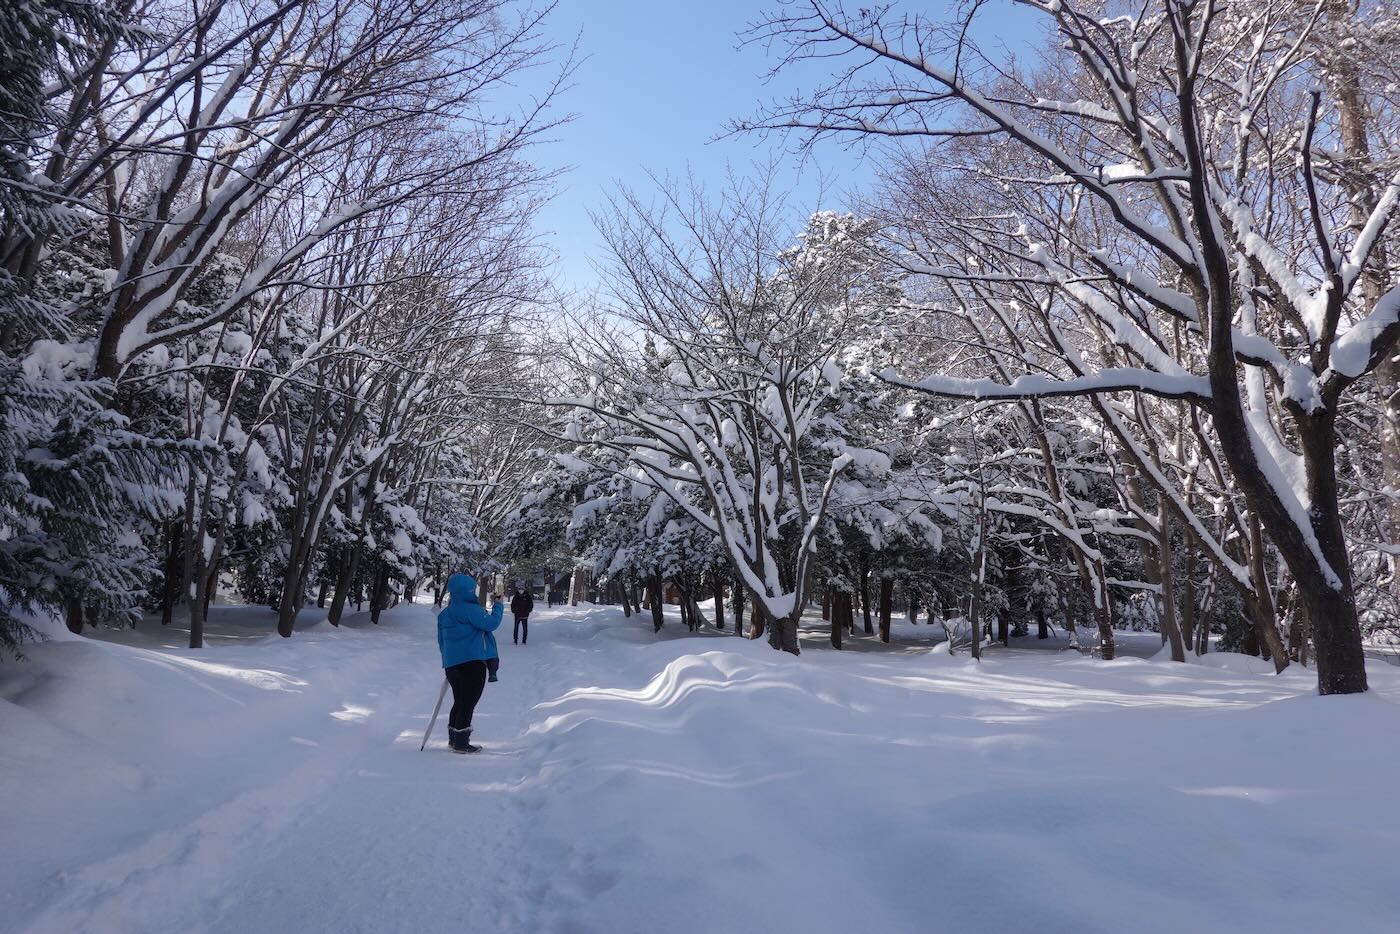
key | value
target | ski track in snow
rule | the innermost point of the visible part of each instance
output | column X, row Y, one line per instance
column 631, row 783
column 308, row 849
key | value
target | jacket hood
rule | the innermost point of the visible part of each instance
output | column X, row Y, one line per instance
column 462, row 588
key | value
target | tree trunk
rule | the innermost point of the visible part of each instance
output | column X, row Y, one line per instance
column 1042, row 625
column 197, row 616
column 757, row 621
column 1204, row 612
column 865, row 598
column 1251, row 646
column 578, row 586
column 840, row 616
column 192, row 533
column 287, row 607
column 1341, row 663
column 1067, row 605
column 1316, row 555
column 886, row 599
column 348, row 569
column 1299, row 632
column 718, row 583
column 211, row 589
column 73, row 615
column 976, row 616
column 1170, row 629
column 1354, row 124
column 1188, row 608
column 1108, row 648
column 381, row 587
column 738, row 592
column 169, row 593
column 1264, row 611
column 658, row 615
column 1388, row 383
column 1103, row 613
column 826, row 602
column 782, row 633
column 321, row 593
column 204, row 586
column 294, row 583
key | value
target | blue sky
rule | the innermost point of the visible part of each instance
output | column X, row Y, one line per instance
column 654, row 86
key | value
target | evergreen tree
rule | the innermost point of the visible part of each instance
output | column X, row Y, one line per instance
column 71, row 474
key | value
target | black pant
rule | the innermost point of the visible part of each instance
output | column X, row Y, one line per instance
column 522, row 629
column 468, row 680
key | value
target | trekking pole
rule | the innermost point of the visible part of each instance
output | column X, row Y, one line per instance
column 433, row 722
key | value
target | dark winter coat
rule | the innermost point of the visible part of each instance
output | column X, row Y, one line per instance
column 464, row 628
column 522, row 604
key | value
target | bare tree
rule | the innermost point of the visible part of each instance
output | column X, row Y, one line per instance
column 712, row 384
column 1195, row 213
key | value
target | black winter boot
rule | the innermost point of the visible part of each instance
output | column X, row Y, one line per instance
column 457, row 739
column 467, row 742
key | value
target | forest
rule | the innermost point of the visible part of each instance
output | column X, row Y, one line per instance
column 1108, row 346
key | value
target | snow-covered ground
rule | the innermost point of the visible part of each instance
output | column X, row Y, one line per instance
column 632, row 783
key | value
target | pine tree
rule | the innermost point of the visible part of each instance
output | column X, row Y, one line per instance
column 62, row 454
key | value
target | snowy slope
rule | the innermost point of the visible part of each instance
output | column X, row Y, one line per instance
column 683, row 784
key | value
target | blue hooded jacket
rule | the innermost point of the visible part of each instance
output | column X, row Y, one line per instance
column 464, row 628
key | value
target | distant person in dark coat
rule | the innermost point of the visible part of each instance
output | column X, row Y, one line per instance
column 521, row 606
column 466, row 643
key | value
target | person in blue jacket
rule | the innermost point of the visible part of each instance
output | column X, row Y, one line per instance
column 466, row 642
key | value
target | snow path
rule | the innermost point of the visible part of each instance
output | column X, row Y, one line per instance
column 686, row 784
column 303, row 848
